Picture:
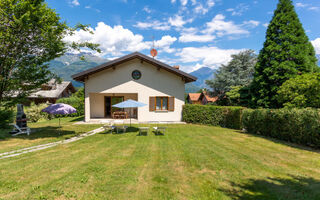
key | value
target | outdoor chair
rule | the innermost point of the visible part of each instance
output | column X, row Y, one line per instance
column 160, row 129
column 119, row 125
column 143, row 130
column 20, row 130
column 108, row 127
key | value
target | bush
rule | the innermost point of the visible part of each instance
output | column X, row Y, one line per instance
column 301, row 91
column 34, row 113
column 229, row 117
column 6, row 117
column 76, row 101
column 300, row 126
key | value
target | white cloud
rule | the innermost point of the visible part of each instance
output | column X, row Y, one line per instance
column 173, row 1
column 251, row 23
column 184, row 2
column 203, row 9
column 156, row 25
column 266, row 25
column 165, row 43
column 147, row 9
column 219, row 26
column 211, row 57
column 74, row 2
column 113, row 41
column 210, row 3
column 191, row 37
column 316, row 44
column 314, row 8
column 239, row 10
column 301, row 5
column 307, row 6
column 177, row 21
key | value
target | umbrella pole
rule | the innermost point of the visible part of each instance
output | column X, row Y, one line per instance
column 59, row 127
column 130, row 116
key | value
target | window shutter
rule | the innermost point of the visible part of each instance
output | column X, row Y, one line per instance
column 171, row 104
column 152, row 103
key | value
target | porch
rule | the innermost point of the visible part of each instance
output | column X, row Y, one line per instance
column 101, row 106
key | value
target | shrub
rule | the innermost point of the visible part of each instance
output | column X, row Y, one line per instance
column 34, row 113
column 76, row 101
column 6, row 117
column 301, row 91
column 300, row 126
column 229, row 117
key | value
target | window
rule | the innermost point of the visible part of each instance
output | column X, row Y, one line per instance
column 161, row 104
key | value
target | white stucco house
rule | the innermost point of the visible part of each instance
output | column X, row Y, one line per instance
column 138, row 77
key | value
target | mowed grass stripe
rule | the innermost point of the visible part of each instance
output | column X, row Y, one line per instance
column 188, row 162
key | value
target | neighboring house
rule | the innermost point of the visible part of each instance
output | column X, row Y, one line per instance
column 52, row 91
column 138, row 77
column 200, row 98
column 194, row 98
column 205, row 98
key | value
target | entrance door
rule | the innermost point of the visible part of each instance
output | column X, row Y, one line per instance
column 107, row 105
column 109, row 102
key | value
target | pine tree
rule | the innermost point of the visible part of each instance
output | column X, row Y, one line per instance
column 286, row 53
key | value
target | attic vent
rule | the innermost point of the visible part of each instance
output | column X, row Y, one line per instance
column 176, row 67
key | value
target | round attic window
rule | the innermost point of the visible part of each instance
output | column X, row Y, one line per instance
column 136, row 74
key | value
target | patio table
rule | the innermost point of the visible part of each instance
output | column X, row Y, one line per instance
column 143, row 129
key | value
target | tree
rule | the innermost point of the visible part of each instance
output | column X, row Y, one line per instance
column 234, row 95
column 302, row 91
column 286, row 53
column 238, row 72
column 31, row 34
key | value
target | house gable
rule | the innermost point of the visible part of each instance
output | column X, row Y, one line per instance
column 143, row 58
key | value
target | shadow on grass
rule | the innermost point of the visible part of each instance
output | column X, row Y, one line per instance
column 81, row 118
column 157, row 133
column 278, row 141
column 292, row 188
column 128, row 130
column 36, row 133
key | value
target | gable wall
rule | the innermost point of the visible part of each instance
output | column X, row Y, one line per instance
column 153, row 82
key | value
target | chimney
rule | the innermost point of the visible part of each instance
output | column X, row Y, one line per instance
column 176, row 67
column 204, row 91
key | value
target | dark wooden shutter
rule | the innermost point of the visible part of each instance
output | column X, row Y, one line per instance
column 152, row 103
column 171, row 104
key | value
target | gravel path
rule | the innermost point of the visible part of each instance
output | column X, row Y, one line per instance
column 46, row 146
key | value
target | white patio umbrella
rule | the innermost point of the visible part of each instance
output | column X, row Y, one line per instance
column 129, row 104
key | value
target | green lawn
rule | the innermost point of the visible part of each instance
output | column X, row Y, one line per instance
column 43, row 132
column 189, row 162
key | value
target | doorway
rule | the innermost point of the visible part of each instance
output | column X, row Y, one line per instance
column 109, row 102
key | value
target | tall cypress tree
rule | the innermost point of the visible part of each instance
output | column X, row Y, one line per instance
column 286, row 53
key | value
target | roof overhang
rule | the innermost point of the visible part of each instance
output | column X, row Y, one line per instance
column 111, row 64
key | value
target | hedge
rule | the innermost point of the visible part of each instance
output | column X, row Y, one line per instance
column 301, row 126
column 229, row 117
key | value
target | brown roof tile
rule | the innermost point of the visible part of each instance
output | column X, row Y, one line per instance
column 194, row 96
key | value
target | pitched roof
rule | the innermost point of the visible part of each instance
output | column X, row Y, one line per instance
column 211, row 99
column 81, row 76
column 54, row 92
column 194, row 96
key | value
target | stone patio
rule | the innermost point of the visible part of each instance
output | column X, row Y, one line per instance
column 126, row 121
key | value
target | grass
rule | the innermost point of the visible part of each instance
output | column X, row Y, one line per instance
column 43, row 132
column 189, row 162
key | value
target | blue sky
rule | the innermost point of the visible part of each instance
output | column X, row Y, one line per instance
column 189, row 33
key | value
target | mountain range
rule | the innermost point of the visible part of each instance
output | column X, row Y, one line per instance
column 70, row 64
